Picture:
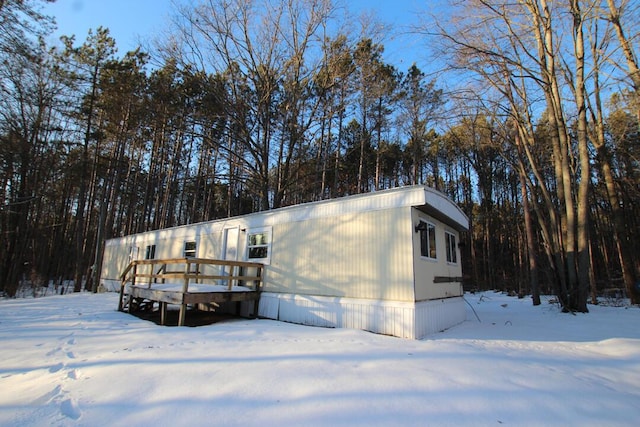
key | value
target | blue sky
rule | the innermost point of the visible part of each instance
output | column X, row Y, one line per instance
column 127, row 20
column 132, row 20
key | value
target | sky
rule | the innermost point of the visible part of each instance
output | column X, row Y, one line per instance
column 127, row 20
column 73, row 360
column 130, row 21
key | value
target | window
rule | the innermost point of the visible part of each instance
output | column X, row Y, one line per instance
column 150, row 253
column 259, row 244
column 427, row 240
column 451, row 247
column 189, row 249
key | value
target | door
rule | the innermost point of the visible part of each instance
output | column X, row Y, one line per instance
column 230, row 244
column 229, row 248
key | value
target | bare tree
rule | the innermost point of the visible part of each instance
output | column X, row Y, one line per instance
column 269, row 51
column 20, row 23
column 332, row 84
column 614, row 16
column 520, row 50
column 419, row 102
column 29, row 97
column 85, row 63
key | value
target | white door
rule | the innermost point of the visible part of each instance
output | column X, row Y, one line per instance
column 230, row 248
column 230, row 244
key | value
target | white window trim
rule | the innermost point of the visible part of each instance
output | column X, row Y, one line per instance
column 435, row 235
column 184, row 248
column 449, row 249
column 269, row 231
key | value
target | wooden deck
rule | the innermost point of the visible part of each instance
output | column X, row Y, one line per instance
column 188, row 282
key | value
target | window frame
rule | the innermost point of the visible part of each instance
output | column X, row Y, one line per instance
column 426, row 238
column 268, row 232
column 451, row 247
column 150, row 251
column 186, row 253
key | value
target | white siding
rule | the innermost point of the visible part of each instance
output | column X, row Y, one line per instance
column 269, row 305
column 363, row 255
column 400, row 319
column 436, row 316
column 169, row 241
column 426, row 269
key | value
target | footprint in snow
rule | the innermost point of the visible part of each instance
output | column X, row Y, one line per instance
column 57, row 367
column 48, row 397
column 70, row 409
column 73, row 374
column 54, row 351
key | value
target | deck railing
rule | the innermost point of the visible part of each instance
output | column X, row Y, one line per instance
column 147, row 272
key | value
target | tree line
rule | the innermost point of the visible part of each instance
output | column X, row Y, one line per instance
column 249, row 105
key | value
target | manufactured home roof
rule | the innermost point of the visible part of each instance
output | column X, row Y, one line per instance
column 426, row 199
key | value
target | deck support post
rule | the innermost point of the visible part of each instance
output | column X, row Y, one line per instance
column 121, row 300
column 181, row 315
column 257, row 285
column 163, row 313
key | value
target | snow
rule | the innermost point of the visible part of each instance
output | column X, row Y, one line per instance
column 74, row 361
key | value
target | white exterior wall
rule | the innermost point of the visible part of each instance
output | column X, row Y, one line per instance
column 353, row 255
column 425, row 269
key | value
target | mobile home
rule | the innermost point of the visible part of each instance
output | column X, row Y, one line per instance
column 386, row 262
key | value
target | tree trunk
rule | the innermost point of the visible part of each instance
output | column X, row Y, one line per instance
column 534, row 284
column 584, row 260
column 627, row 258
column 82, row 192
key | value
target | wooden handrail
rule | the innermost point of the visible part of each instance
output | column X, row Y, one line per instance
column 186, row 275
column 193, row 261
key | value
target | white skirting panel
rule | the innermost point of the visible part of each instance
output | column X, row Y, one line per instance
column 400, row 319
column 437, row 315
column 110, row 285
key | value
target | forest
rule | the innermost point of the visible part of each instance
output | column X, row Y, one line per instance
column 531, row 124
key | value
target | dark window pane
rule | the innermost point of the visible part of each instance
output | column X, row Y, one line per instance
column 432, row 241
column 258, row 252
column 151, row 252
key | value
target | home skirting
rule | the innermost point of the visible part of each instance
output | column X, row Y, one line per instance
column 401, row 319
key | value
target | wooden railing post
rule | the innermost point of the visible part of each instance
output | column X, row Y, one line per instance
column 133, row 283
column 231, row 274
column 185, row 288
column 121, row 300
column 133, row 275
column 150, row 269
column 257, row 284
column 164, row 269
column 123, row 283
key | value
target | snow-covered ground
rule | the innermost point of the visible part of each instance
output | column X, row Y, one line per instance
column 74, row 361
